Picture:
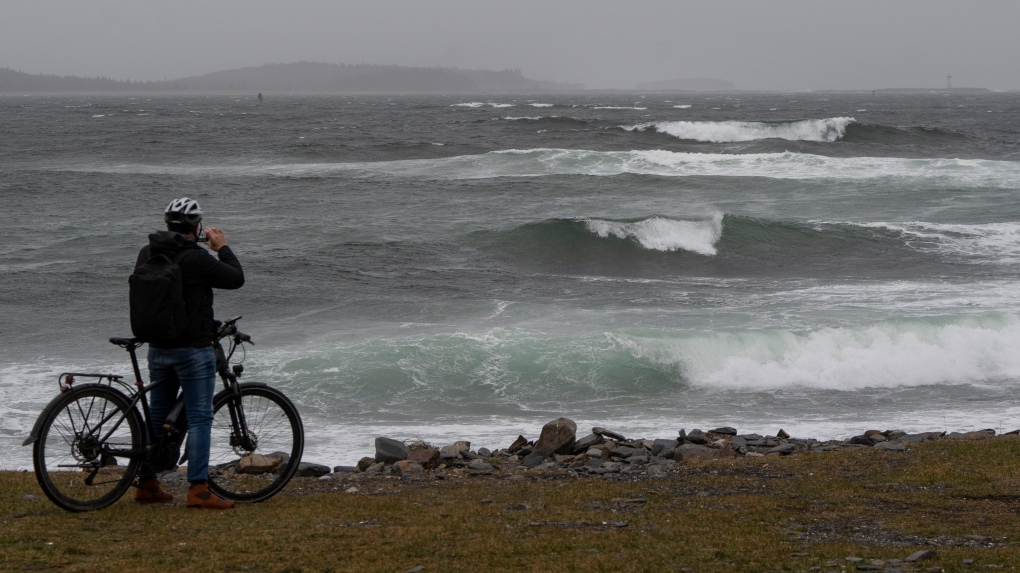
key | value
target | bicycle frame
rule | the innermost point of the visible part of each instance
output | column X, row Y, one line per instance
column 138, row 397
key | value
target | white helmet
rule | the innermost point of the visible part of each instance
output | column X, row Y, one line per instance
column 183, row 211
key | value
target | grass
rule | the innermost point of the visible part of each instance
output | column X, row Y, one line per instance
column 798, row 513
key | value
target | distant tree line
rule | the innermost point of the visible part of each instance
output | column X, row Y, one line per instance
column 302, row 77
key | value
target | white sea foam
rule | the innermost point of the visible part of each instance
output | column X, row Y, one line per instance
column 501, row 104
column 661, row 234
column 541, row 105
column 617, row 107
column 468, row 104
column 683, row 106
column 521, row 118
column 831, row 129
column 545, row 162
column 892, row 354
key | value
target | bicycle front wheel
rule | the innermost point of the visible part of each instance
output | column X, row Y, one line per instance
column 80, row 454
column 257, row 442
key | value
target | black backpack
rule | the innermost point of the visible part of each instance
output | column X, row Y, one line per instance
column 157, row 300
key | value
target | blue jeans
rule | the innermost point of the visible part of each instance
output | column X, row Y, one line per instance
column 196, row 375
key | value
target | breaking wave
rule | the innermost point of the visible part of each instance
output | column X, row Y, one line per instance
column 662, row 234
column 828, row 130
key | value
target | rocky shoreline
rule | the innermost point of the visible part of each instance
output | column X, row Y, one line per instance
column 605, row 453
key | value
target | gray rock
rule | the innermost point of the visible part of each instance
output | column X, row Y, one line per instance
column 594, row 452
column 688, row 451
column 608, row 434
column 785, row 449
column 586, row 442
column 449, row 452
column 861, row 440
column 519, row 443
column 696, row 436
column 683, row 436
column 484, row 453
column 782, row 435
column 388, row 450
column 462, row 446
column 725, row 431
column 894, row 434
column 918, row 438
column 479, row 465
column 737, row 442
column 625, row 451
column 345, row 469
column 534, row 459
column 376, row 468
column 659, row 446
column 308, row 469
column 557, row 437
column 365, row 463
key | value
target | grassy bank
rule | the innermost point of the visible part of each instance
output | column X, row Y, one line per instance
column 808, row 512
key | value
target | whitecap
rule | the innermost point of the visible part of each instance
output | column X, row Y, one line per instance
column 662, row 234
column 830, row 129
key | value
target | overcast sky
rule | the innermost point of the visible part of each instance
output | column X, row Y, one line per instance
column 762, row 44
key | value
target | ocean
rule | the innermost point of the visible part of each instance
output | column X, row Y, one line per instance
column 467, row 267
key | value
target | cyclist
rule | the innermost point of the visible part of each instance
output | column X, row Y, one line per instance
column 191, row 356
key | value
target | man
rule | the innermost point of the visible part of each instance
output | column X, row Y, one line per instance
column 190, row 356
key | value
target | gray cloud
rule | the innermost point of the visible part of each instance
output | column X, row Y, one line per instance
column 778, row 44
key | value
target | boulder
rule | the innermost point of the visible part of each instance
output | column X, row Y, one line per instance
column 557, row 437
column 586, row 442
column 626, row 451
column 308, row 469
column 429, row 458
column 781, row 434
column 449, row 452
column 608, row 434
column 365, row 463
column 519, row 443
column 659, row 446
column 407, row 468
column 257, row 464
column 388, row 450
column 689, row 451
column 786, row 449
column 725, row 431
column 697, row 437
column 534, row 459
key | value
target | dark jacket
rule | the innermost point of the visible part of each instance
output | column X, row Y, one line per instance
column 200, row 273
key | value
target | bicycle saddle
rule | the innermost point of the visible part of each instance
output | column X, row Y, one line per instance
column 125, row 342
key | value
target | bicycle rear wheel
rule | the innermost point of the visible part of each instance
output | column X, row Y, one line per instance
column 257, row 466
column 72, row 455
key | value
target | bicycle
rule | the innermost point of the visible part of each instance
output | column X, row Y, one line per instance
column 90, row 440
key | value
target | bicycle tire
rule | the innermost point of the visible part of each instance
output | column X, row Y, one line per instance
column 275, row 427
column 72, row 465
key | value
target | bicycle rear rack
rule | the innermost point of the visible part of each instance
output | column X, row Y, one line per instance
column 66, row 380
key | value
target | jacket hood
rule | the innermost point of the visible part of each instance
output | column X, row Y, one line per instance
column 169, row 242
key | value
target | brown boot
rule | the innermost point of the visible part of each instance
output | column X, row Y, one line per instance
column 148, row 491
column 199, row 497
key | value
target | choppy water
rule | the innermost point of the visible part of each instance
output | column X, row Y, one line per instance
column 448, row 267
